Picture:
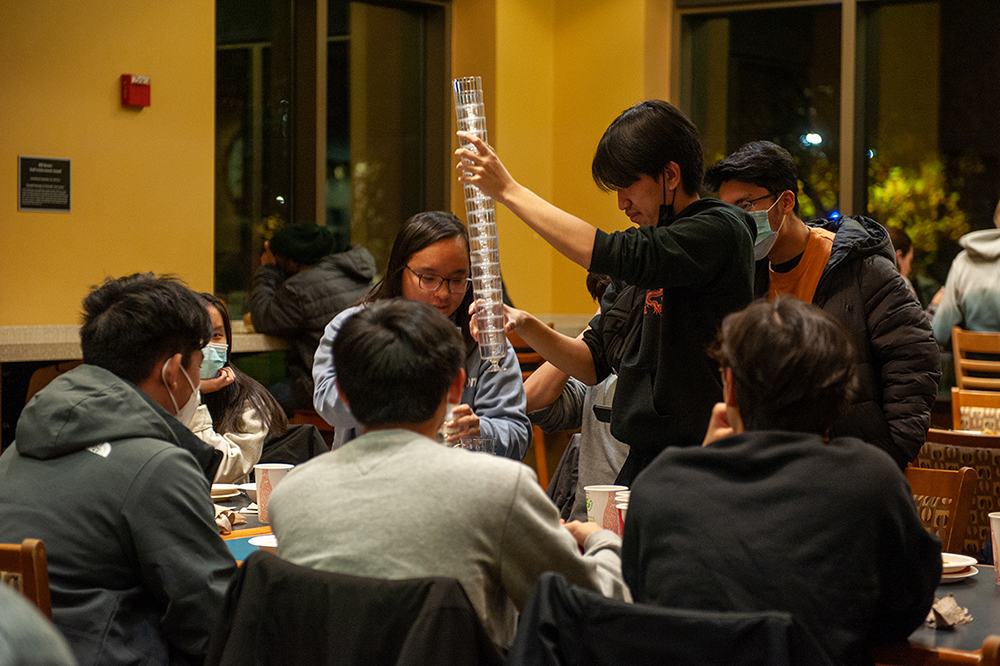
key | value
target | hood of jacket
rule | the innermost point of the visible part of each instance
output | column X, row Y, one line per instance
column 982, row 245
column 88, row 406
column 856, row 237
column 356, row 263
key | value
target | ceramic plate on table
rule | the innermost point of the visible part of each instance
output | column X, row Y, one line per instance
column 224, row 491
column 953, row 563
column 959, row 575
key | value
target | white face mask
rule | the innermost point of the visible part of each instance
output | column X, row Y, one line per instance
column 765, row 237
column 184, row 414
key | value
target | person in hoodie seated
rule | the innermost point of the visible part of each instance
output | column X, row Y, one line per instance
column 770, row 516
column 105, row 471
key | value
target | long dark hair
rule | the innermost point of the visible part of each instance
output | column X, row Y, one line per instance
column 421, row 231
column 228, row 403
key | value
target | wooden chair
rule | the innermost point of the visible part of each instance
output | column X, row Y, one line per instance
column 529, row 360
column 965, row 342
column 958, row 486
column 975, row 410
column 26, row 565
column 906, row 654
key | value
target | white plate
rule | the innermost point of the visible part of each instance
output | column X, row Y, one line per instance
column 952, row 577
column 266, row 542
column 250, row 489
column 952, row 563
column 224, row 490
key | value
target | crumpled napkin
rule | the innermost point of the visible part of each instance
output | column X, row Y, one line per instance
column 226, row 519
column 945, row 613
column 250, row 508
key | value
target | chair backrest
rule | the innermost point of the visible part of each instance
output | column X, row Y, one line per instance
column 975, row 410
column 968, row 349
column 276, row 612
column 906, row 654
column 24, row 566
column 566, row 624
column 957, row 488
column 950, row 449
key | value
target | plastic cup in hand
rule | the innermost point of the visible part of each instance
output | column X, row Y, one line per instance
column 444, row 430
column 267, row 475
column 601, row 507
column 481, row 444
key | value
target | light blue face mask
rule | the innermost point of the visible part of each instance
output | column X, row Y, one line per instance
column 765, row 236
column 214, row 357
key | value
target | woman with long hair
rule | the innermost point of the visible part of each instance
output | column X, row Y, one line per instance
column 429, row 262
column 237, row 413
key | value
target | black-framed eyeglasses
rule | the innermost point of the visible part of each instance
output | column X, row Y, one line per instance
column 748, row 206
column 433, row 282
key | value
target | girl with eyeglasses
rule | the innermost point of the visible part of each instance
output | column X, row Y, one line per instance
column 429, row 262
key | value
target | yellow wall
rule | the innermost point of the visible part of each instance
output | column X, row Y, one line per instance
column 563, row 69
column 142, row 181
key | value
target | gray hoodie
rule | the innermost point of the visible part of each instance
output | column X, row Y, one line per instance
column 972, row 291
column 118, row 490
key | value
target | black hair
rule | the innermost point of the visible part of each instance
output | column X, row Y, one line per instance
column 418, row 232
column 131, row 323
column 228, row 403
column 597, row 284
column 643, row 140
column 759, row 163
column 792, row 364
column 395, row 361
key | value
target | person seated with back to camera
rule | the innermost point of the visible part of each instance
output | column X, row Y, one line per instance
column 395, row 504
column 766, row 515
column 237, row 413
column 429, row 262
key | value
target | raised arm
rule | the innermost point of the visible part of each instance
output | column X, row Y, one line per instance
column 571, row 355
column 571, row 236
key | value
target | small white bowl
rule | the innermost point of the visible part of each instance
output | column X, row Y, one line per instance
column 250, row 489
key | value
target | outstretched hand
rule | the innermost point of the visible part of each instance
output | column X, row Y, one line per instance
column 483, row 169
column 512, row 320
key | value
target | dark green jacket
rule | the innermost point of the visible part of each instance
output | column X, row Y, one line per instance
column 118, row 490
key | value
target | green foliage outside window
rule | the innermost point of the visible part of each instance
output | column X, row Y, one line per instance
column 919, row 200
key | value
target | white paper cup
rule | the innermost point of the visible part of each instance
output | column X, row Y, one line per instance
column 268, row 475
column 482, row 444
column 622, row 510
column 601, row 507
column 995, row 532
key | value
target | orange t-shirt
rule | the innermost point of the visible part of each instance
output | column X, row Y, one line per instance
column 801, row 281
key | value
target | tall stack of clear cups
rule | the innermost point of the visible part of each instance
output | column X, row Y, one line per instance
column 484, row 249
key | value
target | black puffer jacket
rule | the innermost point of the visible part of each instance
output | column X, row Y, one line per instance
column 898, row 360
column 300, row 307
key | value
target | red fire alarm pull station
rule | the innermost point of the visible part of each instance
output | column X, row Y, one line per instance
column 135, row 90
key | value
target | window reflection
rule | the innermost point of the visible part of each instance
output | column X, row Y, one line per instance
column 774, row 75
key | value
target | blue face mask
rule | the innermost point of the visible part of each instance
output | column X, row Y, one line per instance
column 214, row 357
column 765, row 237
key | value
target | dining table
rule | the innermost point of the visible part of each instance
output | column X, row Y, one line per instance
column 238, row 540
column 981, row 595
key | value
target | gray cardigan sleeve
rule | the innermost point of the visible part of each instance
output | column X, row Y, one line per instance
column 566, row 413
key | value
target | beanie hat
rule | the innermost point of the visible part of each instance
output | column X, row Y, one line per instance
column 306, row 244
